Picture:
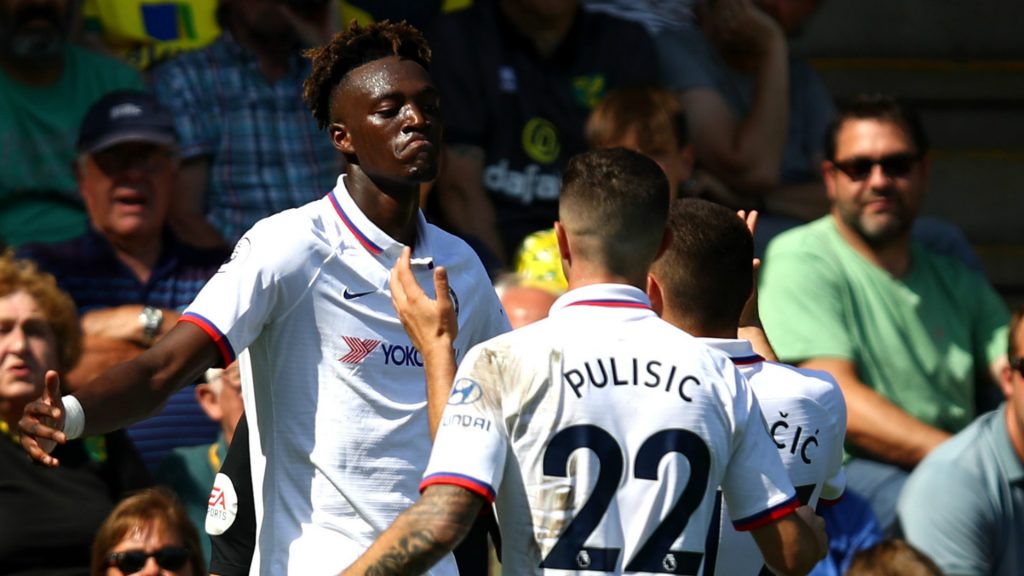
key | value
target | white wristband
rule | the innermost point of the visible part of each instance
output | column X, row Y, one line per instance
column 74, row 417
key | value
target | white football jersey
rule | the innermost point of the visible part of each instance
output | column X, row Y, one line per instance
column 806, row 416
column 333, row 388
column 601, row 434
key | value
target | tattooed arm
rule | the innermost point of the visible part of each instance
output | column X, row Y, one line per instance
column 422, row 535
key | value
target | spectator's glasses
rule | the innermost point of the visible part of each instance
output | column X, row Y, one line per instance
column 1018, row 365
column 893, row 166
column 116, row 159
column 132, row 561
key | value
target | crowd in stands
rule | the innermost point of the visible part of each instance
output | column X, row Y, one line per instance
column 206, row 287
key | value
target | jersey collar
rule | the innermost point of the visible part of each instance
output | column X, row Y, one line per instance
column 372, row 238
column 604, row 296
column 739, row 351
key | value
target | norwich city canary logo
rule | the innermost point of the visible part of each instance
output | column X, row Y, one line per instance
column 540, row 141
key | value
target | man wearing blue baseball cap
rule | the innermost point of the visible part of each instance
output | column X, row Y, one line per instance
column 129, row 275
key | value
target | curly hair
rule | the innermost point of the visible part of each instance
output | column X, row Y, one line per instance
column 352, row 48
column 60, row 311
column 153, row 509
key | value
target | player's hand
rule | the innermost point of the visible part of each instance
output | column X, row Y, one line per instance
column 750, row 316
column 431, row 323
column 42, row 424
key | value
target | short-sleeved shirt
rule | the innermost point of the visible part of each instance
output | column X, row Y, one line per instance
column 89, row 271
column 690, row 62
column 39, row 199
column 919, row 340
column 601, row 434
column 334, row 390
column 806, row 416
column 964, row 503
column 264, row 149
column 525, row 111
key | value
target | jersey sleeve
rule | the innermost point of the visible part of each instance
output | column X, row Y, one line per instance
column 956, row 530
column 471, row 443
column 756, row 485
column 801, row 305
column 835, row 404
column 245, row 293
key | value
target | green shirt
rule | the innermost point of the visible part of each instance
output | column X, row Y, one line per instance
column 39, row 199
column 918, row 340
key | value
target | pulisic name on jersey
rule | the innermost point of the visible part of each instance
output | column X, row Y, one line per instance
column 599, row 373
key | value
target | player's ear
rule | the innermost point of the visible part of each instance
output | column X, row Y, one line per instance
column 563, row 248
column 341, row 137
column 655, row 294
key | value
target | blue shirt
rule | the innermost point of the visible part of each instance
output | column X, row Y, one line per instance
column 964, row 503
column 264, row 149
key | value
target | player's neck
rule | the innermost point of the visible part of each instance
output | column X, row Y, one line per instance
column 696, row 328
column 391, row 206
column 581, row 274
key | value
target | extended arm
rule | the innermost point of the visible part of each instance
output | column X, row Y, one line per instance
column 421, row 535
column 122, row 395
column 432, row 327
column 874, row 423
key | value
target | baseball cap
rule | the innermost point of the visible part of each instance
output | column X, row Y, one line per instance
column 125, row 116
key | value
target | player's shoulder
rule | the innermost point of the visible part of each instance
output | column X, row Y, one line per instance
column 283, row 241
column 807, row 378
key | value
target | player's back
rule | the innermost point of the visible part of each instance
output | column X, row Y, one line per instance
column 806, row 417
column 620, row 428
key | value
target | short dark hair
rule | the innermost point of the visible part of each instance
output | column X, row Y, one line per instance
column 615, row 202
column 650, row 114
column 882, row 107
column 707, row 272
column 351, row 48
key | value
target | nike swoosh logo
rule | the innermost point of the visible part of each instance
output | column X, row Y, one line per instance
column 351, row 295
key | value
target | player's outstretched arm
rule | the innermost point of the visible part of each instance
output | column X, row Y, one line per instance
column 793, row 544
column 432, row 327
column 421, row 535
column 120, row 396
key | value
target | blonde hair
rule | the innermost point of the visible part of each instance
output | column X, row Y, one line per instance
column 58, row 308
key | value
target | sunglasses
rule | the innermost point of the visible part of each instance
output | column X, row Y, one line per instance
column 894, row 166
column 132, row 561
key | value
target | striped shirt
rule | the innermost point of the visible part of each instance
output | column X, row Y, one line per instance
column 264, row 150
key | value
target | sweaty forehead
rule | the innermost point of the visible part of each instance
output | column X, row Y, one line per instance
column 386, row 75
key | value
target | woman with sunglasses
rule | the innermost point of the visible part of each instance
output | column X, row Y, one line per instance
column 148, row 534
column 48, row 516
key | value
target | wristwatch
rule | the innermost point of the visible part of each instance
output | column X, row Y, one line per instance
column 151, row 319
